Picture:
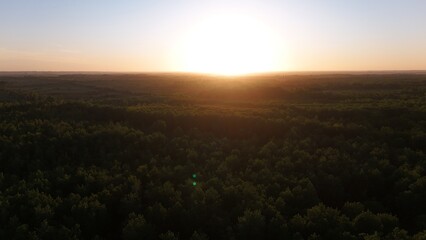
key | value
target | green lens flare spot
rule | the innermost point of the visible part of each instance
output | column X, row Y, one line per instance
column 194, row 175
column 194, row 184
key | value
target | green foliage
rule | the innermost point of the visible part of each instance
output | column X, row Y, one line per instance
column 251, row 225
column 367, row 222
column 199, row 236
column 137, row 228
column 312, row 157
column 168, row 236
column 352, row 209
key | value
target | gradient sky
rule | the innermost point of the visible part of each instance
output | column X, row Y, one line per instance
column 125, row 35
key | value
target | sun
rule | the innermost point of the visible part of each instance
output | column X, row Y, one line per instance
column 229, row 45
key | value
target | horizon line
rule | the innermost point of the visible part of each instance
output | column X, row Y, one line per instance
column 2, row 72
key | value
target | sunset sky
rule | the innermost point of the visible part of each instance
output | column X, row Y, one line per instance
column 212, row 36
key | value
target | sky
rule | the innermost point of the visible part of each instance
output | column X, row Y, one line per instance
column 159, row 35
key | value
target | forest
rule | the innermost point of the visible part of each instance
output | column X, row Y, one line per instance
column 189, row 156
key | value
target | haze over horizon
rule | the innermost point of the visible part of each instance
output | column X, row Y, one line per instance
column 229, row 37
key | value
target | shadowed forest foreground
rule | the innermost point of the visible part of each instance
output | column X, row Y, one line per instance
column 174, row 156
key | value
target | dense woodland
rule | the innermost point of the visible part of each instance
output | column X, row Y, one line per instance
column 173, row 156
